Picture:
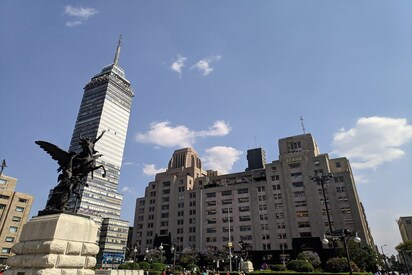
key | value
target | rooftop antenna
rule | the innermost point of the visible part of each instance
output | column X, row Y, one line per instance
column 116, row 56
column 3, row 165
column 303, row 125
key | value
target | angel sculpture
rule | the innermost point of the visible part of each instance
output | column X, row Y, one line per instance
column 74, row 168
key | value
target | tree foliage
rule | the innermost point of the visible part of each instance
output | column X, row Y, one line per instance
column 364, row 256
column 311, row 257
column 129, row 265
column 339, row 264
column 300, row 266
column 189, row 256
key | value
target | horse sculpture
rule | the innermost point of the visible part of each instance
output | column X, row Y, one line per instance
column 74, row 168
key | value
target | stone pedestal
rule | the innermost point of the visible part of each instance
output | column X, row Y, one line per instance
column 58, row 244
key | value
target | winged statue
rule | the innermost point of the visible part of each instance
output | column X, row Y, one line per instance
column 74, row 168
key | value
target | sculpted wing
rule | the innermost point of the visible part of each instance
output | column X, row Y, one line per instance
column 62, row 157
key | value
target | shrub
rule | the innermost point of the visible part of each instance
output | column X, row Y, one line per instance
column 157, row 266
column 178, row 267
column 144, row 265
column 154, row 272
column 311, row 257
column 300, row 265
column 339, row 265
column 192, row 267
column 278, row 267
column 129, row 265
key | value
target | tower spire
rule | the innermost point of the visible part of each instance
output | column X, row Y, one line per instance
column 116, row 56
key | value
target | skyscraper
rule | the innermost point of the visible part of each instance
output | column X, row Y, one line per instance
column 105, row 107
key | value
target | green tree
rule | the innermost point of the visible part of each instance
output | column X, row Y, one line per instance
column 189, row 256
column 363, row 256
column 311, row 257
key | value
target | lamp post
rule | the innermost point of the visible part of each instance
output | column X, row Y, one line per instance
column 344, row 238
column 321, row 179
column 384, row 258
column 161, row 252
column 229, row 242
column 173, row 249
column 134, row 254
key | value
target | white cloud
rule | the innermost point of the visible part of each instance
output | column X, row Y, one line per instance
column 150, row 170
column 126, row 189
column 178, row 64
column 373, row 141
column 204, row 65
column 221, row 158
column 80, row 15
column 164, row 135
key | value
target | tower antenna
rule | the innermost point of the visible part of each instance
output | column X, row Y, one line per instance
column 116, row 56
column 303, row 125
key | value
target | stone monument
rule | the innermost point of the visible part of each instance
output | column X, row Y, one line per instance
column 58, row 241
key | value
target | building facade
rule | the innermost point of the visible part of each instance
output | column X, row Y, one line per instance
column 273, row 208
column 405, row 228
column 105, row 107
column 14, row 213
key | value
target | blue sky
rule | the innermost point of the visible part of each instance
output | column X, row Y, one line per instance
column 223, row 77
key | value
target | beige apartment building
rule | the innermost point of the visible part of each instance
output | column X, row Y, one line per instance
column 272, row 206
column 14, row 213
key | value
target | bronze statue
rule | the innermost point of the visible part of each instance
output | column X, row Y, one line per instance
column 74, row 168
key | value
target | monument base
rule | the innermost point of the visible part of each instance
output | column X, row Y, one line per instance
column 58, row 244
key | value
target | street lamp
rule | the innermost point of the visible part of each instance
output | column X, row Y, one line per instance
column 134, row 254
column 173, row 249
column 344, row 238
column 161, row 252
column 321, row 179
column 384, row 258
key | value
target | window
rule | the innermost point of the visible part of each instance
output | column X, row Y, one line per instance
column 303, row 224
column 226, row 201
column 13, row 229
column 166, row 184
column 9, row 239
column 211, row 195
column 297, row 184
column 339, row 179
column 244, row 218
column 16, row 219
column 165, row 215
column 338, row 165
column 5, row 250
column 192, row 195
column 211, row 212
column 282, row 236
column 3, row 181
column 280, row 215
column 302, row 213
column 227, row 193
column 305, row 234
column 243, row 200
column 211, row 230
column 340, row 189
column 261, row 188
column 4, row 197
column 244, row 209
column 300, row 204
column 166, row 191
column 243, row 191
column 299, row 194
column 277, row 196
column 181, row 189
column 211, row 203
column 275, row 177
column 296, row 175
column 294, row 165
column 294, row 146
